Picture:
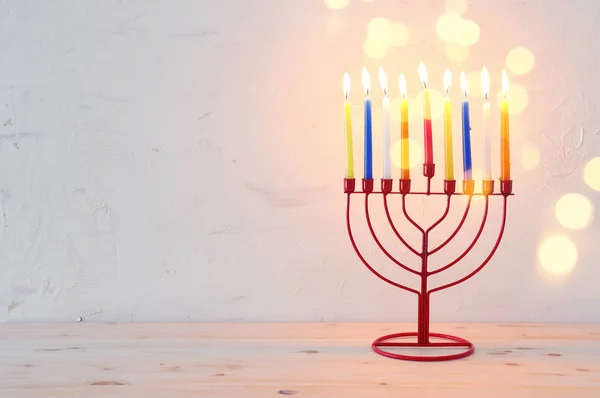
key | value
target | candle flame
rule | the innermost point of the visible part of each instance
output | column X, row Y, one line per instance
column 464, row 84
column 383, row 80
column 366, row 80
column 402, row 83
column 485, row 83
column 346, row 85
column 504, row 84
column 423, row 74
column 447, row 81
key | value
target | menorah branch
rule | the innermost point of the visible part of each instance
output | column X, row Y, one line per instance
column 398, row 235
column 379, row 243
column 458, row 227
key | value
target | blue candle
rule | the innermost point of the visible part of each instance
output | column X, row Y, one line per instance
column 466, row 130
column 368, row 129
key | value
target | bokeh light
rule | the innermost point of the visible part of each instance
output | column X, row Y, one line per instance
column 468, row 33
column 518, row 99
column 574, row 211
column 591, row 174
column 520, row 60
column 558, row 256
column 530, row 156
column 379, row 29
column 457, row 52
column 448, row 26
column 437, row 105
column 415, row 153
column 336, row 4
column 457, row 6
column 399, row 35
column 375, row 48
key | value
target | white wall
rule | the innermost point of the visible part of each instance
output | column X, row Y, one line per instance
column 183, row 160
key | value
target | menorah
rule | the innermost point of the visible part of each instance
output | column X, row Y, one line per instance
column 423, row 335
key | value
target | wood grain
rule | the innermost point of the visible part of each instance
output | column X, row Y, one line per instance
column 276, row 360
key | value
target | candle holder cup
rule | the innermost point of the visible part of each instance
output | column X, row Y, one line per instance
column 422, row 338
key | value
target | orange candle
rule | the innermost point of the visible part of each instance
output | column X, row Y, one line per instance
column 504, row 132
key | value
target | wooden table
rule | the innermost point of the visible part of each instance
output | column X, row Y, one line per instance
column 325, row 360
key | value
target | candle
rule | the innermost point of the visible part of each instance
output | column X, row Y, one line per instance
column 504, row 132
column 426, row 116
column 466, row 129
column 487, row 145
column 449, row 160
column 348, row 128
column 404, row 150
column 368, row 127
column 387, row 161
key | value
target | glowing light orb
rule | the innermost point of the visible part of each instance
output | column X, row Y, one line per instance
column 558, row 255
column 518, row 98
column 591, row 174
column 379, row 29
column 574, row 211
column 520, row 60
column 336, row 4
column 530, row 156
column 475, row 84
column 375, row 48
column 448, row 26
column 399, row 35
column 468, row 33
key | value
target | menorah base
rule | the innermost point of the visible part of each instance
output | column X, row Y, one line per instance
column 453, row 342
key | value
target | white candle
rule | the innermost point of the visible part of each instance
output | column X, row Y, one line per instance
column 387, row 161
column 487, row 145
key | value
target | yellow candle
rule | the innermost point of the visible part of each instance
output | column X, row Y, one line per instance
column 427, row 139
column 348, row 126
column 404, row 149
column 504, row 132
column 449, row 159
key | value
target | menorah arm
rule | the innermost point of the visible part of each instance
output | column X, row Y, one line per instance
column 435, row 224
column 398, row 235
column 383, row 278
column 483, row 221
column 460, row 224
column 489, row 257
column 417, row 226
column 379, row 243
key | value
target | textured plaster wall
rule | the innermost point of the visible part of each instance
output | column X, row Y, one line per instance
column 183, row 160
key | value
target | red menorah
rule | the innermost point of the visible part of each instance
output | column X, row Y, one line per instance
column 423, row 335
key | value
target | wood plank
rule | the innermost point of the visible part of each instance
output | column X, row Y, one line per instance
column 278, row 359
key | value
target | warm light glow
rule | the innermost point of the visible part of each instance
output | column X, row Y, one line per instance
column 530, row 156
column 520, row 60
column 375, row 48
column 558, row 256
column 436, row 99
column 415, row 153
column 448, row 26
column 468, row 33
column 457, row 6
column 383, row 80
column 475, row 83
column 504, row 84
column 336, row 4
column 399, row 35
column 379, row 29
column 464, row 84
column 423, row 74
column 574, row 211
column 519, row 99
column 366, row 80
column 402, row 84
column 447, row 81
column 591, row 174
column 485, row 83
column 347, row 85
column 457, row 52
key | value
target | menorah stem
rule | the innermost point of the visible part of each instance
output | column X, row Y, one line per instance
column 423, row 328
